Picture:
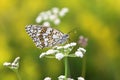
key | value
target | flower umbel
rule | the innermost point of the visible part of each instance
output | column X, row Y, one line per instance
column 60, row 52
column 52, row 15
column 80, row 52
column 14, row 65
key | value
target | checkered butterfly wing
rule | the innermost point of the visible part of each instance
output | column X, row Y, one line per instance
column 45, row 36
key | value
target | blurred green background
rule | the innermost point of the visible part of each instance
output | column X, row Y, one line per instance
column 99, row 20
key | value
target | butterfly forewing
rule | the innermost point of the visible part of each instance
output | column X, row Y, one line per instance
column 45, row 36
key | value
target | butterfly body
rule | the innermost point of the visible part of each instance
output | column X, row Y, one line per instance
column 45, row 36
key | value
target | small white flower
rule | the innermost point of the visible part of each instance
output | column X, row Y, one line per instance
column 45, row 17
column 6, row 64
column 55, row 10
column 14, row 64
column 81, row 78
column 59, row 47
column 38, row 19
column 79, row 54
column 61, row 77
column 57, row 21
column 66, row 46
column 73, row 44
column 47, row 24
column 51, row 51
column 52, row 17
column 47, row 78
column 42, row 55
column 59, row 56
column 63, row 12
column 81, row 49
column 16, row 60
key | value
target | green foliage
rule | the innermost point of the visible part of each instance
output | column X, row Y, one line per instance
column 96, row 19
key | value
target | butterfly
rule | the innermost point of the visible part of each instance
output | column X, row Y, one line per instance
column 44, row 36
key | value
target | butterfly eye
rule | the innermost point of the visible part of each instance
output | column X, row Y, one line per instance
column 65, row 36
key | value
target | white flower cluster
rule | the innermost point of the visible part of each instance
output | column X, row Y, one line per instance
column 52, row 15
column 62, row 77
column 59, row 51
column 62, row 51
column 80, row 52
column 13, row 65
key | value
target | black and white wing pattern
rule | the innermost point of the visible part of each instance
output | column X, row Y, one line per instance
column 45, row 36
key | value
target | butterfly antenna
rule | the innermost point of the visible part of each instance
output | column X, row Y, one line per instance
column 73, row 30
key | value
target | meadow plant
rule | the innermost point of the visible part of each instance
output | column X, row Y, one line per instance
column 13, row 66
column 63, row 52
column 59, row 52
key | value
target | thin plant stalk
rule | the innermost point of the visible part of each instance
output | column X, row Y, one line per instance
column 83, row 66
column 66, row 67
column 18, row 75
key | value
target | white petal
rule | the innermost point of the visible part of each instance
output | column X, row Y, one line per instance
column 66, row 46
column 45, row 17
column 81, row 49
column 38, row 19
column 57, row 21
column 79, row 54
column 6, row 64
column 81, row 78
column 52, row 17
column 73, row 44
column 61, row 77
column 55, row 10
column 59, row 56
column 63, row 12
column 42, row 55
column 47, row 78
column 47, row 24
column 16, row 60
column 59, row 47
column 70, row 79
column 51, row 51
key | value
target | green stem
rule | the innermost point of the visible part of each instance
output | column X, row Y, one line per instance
column 18, row 75
column 66, row 67
column 84, row 66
